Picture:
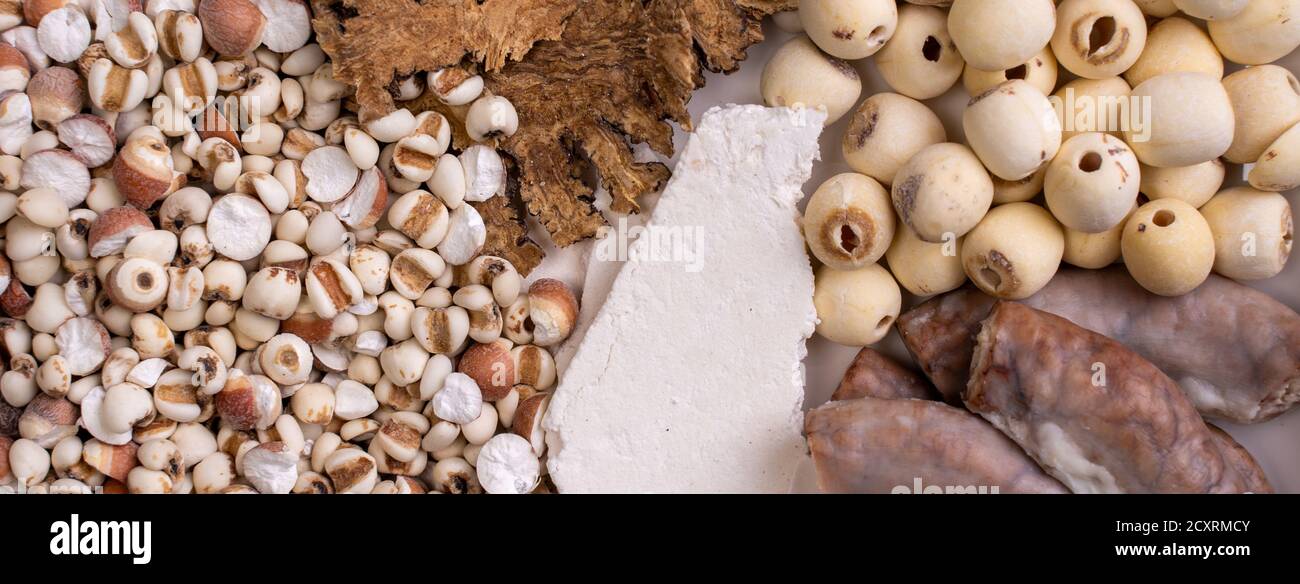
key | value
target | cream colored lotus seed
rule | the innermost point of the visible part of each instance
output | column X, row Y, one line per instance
column 800, row 75
column 1193, row 185
column 1099, row 38
column 849, row 29
column 849, row 221
column 1014, row 251
column 856, row 307
column 1168, row 247
column 1017, row 191
column 1190, row 122
column 1253, row 233
column 885, row 132
column 1094, row 251
column 1278, row 169
column 1157, row 8
column 942, row 192
column 1092, row 183
column 1041, row 71
column 995, row 35
column 920, row 61
column 1176, row 44
column 1265, row 31
column 1013, row 129
column 1212, row 9
column 925, row 268
column 1265, row 103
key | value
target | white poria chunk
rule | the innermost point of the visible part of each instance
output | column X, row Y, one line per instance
column 146, row 373
column 330, row 173
column 331, row 357
column 507, row 465
column 288, row 24
column 272, row 468
column 239, row 227
column 84, row 343
column 485, row 173
column 370, row 343
column 59, row 170
column 353, row 400
column 64, row 34
column 466, row 234
column 363, row 206
column 89, row 138
column 460, row 400
column 689, row 417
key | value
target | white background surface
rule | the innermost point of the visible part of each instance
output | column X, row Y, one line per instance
column 1275, row 444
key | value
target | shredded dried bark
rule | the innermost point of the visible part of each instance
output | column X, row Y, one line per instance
column 619, row 71
column 374, row 42
column 600, row 75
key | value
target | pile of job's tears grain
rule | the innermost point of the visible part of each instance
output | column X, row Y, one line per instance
column 207, row 288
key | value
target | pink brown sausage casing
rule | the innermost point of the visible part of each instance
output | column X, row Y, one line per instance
column 874, row 374
column 1234, row 350
column 1094, row 414
column 871, row 445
